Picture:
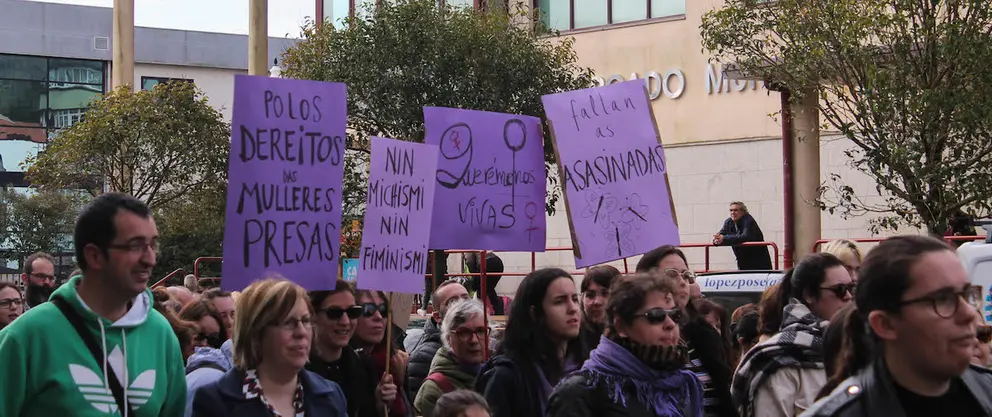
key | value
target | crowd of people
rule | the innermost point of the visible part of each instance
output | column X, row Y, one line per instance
column 894, row 333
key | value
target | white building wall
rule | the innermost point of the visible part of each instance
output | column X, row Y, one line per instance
column 217, row 84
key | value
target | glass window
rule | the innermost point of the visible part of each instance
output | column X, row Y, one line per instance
column 629, row 10
column 364, row 7
column 147, row 83
column 590, row 13
column 23, row 67
column 555, row 13
column 23, row 102
column 665, row 8
column 460, row 3
column 336, row 11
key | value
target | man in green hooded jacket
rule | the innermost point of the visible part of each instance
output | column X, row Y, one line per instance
column 48, row 370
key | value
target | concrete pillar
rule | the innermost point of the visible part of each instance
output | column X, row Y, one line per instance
column 805, row 172
column 123, row 63
column 258, row 37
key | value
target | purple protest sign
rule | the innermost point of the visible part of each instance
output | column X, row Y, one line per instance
column 613, row 172
column 492, row 180
column 284, row 182
column 397, row 216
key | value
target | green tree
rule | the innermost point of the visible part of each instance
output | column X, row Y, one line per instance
column 191, row 227
column 906, row 81
column 39, row 222
column 409, row 54
column 156, row 145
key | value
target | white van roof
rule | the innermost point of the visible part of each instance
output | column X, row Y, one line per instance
column 738, row 281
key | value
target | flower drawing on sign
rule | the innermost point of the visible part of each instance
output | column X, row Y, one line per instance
column 600, row 207
column 633, row 212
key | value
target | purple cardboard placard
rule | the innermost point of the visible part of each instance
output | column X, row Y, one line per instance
column 397, row 216
column 284, row 182
column 491, row 180
column 613, row 172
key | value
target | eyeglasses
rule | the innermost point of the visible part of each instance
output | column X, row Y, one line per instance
column 593, row 294
column 658, row 315
column 369, row 309
column 466, row 335
column 840, row 289
column 945, row 302
column 984, row 334
column 335, row 313
column 136, row 247
column 8, row 302
column 291, row 324
column 43, row 277
column 687, row 275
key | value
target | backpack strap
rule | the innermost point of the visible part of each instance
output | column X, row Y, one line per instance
column 442, row 382
column 115, row 384
column 210, row 365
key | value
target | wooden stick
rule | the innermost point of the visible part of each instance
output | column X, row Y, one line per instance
column 389, row 343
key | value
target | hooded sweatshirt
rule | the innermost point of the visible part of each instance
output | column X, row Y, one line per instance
column 206, row 365
column 48, row 371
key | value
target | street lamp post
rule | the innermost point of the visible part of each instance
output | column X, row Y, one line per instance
column 258, row 37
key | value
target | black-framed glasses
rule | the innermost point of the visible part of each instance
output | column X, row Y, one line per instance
column 945, row 302
column 687, row 275
column 984, row 334
column 658, row 315
column 840, row 289
column 335, row 313
column 135, row 247
column 369, row 309
column 8, row 302
column 466, row 335
column 43, row 277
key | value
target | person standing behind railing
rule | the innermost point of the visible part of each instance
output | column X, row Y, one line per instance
column 740, row 228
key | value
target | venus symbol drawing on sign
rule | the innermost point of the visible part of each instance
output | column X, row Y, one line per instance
column 456, row 145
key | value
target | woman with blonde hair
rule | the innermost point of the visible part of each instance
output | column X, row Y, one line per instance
column 848, row 253
column 272, row 335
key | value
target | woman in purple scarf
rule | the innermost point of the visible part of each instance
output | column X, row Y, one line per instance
column 638, row 369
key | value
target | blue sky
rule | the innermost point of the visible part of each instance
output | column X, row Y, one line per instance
column 224, row 16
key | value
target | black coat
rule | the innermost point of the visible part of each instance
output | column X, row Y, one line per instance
column 742, row 231
column 224, row 397
column 871, row 393
column 574, row 398
column 355, row 374
column 421, row 356
column 511, row 389
column 706, row 344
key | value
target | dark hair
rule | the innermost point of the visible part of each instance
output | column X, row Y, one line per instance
column 651, row 259
column 454, row 403
column 184, row 330
column 834, row 351
column 95, row 225
column 525, row 338
column 747, row 327
column 602, row 275
column 882, row 281
column 317, row 298
column 197, row 309
column 802, row 281
column 29, row 262
column 213, row 293
column 628, row 293
column 442, row 285
column 769, row 313
column 704, row 307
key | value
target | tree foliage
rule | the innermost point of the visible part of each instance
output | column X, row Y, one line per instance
column 39, row 222
column 192, row 227
column 906, row 81
column 155, row 145
column 409, row 54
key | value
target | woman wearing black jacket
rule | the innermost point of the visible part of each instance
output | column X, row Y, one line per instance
column 706, row 354
column 540, row 346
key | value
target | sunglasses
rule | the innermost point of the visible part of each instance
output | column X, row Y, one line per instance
column 840, row 289
column 369, row 309
column 212, row 339
column 984, row 334
column 335, row 313
column 659, row 315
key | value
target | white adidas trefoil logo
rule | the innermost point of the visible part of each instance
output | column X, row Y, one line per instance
column 93, row 388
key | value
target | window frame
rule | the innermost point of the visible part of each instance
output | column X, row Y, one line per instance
column 162, row 80
column 609, row 16
column 476, row 4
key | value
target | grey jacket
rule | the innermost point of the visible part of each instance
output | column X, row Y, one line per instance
column 871, row 393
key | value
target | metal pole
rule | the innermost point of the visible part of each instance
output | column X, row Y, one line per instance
column 787, row 183
column 258, row 37
column 123, row 63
